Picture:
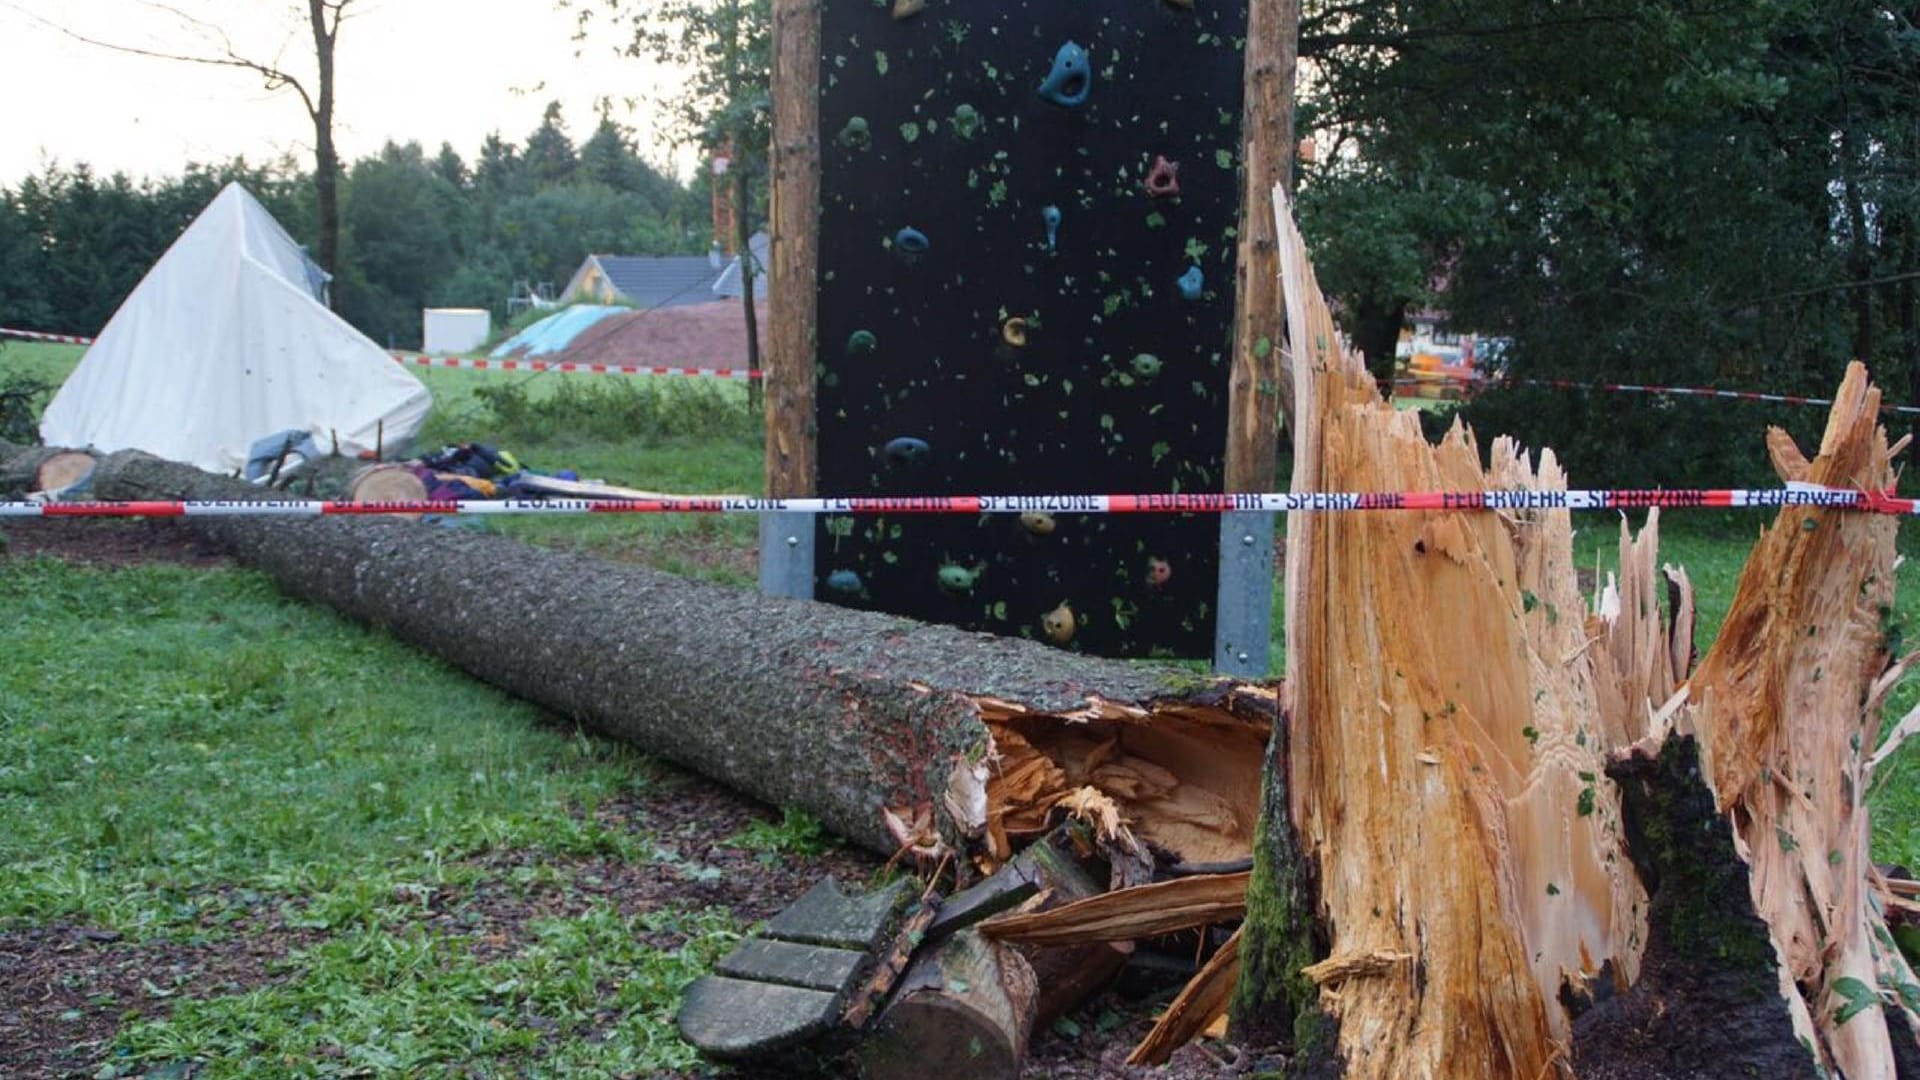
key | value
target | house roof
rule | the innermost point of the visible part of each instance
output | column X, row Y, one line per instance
column 729, row 284
column 659, row 281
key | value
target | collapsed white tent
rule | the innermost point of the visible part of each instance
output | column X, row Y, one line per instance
column 224, row 343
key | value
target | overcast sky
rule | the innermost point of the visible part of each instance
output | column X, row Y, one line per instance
column 426, row 70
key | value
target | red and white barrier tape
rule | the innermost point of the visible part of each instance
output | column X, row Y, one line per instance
column 1474, row 382
column 1321, row 502
column 35, row 335
column 466, row 364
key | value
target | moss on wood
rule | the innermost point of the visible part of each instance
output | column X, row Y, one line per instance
column 1708, row 1001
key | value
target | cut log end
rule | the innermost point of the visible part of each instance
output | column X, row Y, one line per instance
column 37, row 470
column 964, row 1010
column 385, row 483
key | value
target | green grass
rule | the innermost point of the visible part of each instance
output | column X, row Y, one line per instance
column 38, row 360
column 188, row 754
column 171, row 727
column 583, row 997
column 680, row 436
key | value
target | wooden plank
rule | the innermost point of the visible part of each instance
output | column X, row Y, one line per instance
column 827, row 916
column 585, row 489
column 891, row 967
column 1006, row 887
column 733, row 1019
column 1198, row 1007
column 1261, row 392
column 810, row 967
column 794, row 260
column 1128, row 914
column 1071, row 974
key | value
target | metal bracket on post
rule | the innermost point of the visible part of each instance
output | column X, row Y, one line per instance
column 1243, row 623
column 786, row 555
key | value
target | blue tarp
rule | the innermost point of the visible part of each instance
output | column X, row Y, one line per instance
column 555, row 332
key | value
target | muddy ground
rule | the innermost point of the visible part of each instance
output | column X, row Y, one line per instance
column 65, row 990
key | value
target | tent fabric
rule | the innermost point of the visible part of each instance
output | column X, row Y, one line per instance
column 223, row 343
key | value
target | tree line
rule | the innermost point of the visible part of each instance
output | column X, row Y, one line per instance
column 1649, row 191
column 418, row 229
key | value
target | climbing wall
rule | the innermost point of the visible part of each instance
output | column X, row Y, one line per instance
column 1027, row 244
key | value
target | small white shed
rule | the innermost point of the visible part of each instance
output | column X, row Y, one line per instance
column 454, row 330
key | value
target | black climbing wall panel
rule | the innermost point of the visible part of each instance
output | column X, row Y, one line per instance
column 1014, row 300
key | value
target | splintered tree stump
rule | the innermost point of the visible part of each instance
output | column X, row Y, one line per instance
column 1508, row 837
column 964, row 1009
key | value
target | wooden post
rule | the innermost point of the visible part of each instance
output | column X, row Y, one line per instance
column 795, row 256
column 1261, row 389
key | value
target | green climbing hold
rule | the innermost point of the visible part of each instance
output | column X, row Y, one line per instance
column 861, row 342
column 855, row 136
column 1146, row 365
column 955, row 578
column 966, row 121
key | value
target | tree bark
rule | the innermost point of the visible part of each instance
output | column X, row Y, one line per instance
column 1261, row 390
column 326, row 159
column 879, row 726
column 793, row 295
column 748, row 274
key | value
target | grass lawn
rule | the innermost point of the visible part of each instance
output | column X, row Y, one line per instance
column 191, row 761
column 38, row 360
column 191, row 758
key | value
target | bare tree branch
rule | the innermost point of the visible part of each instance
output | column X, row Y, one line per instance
column 276, row 78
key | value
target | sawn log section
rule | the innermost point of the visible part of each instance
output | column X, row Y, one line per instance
column 857, row 718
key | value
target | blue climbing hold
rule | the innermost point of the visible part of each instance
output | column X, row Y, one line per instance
column 844, row 581
column 906, row 450
column 1071, row 78
column 861, row 342
column 1051, row 215
column 911, row 243
column 1192, row 283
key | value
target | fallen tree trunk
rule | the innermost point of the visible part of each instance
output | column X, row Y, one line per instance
column 894, row 733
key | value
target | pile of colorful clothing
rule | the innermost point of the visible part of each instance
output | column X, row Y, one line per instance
column 477, row 471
